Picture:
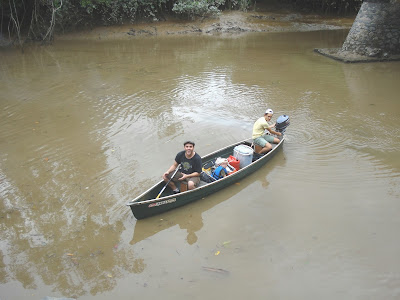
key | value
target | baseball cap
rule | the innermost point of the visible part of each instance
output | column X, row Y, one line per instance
column 269, row 111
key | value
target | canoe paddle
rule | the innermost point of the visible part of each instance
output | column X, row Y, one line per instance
column 176, row 170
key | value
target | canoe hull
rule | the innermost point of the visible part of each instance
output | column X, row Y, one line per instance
column 146, row 205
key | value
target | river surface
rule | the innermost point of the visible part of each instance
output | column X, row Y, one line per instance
column 85, row 126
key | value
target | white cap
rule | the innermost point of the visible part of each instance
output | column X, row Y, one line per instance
column 269, row 111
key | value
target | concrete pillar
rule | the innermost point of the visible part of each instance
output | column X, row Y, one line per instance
column 376, row 29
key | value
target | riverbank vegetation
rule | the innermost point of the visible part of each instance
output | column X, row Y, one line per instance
column 38, row 20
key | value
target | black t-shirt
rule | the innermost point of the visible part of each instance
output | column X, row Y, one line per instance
column 188, row 166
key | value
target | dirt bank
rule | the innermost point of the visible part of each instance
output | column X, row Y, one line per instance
column 227, row 23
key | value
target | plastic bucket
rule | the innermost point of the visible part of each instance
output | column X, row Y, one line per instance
column 244, row 154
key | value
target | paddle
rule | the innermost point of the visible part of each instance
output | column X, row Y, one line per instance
column 176, row 170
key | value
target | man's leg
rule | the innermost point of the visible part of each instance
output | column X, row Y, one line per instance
column 266, row 148
column 193, row 182
column 276, row 140
column 257, row 148
column 263, row 143
column 172, row 184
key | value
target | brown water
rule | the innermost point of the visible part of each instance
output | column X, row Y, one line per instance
column 87, row 126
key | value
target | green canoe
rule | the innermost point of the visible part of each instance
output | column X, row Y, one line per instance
column 146, row 204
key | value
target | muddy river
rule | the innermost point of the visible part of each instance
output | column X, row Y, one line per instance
column 85, row 126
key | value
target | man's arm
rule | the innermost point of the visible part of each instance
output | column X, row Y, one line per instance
column 184, row 176
column 171, row 168
column 194, row 174
column 273, row 132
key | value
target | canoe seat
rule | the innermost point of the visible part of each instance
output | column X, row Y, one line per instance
column 183, row 187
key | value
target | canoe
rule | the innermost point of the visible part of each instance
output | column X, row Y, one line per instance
column 146, row 204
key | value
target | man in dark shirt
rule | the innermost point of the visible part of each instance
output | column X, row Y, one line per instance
column 190, row 168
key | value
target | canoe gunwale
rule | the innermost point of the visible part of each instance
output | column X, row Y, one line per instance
column 135, row 202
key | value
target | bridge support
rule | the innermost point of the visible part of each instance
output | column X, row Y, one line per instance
column 374, row 36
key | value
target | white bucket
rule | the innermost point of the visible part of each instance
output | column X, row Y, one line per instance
column 244, row 154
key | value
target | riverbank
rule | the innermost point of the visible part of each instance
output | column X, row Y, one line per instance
column 230, row 23
column 227, row 23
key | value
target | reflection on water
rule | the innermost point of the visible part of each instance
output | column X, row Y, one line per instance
column 84, row 127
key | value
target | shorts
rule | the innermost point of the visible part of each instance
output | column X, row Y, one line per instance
column 263, row 140
column 195, row 180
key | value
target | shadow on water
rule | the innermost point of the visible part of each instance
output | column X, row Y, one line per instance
column 190, row 217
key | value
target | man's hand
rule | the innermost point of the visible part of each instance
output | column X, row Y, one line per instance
column 165, row 175
column 184, row 176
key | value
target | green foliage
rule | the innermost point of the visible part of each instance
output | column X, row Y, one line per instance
column 38, row 18
column 150, row 8
column 119, row 11
column 238, row 4
column 115, row 12
column 243, row 4
column 197, row 8
column 329, row 6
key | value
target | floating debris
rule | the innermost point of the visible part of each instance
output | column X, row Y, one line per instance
column 217, row 270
